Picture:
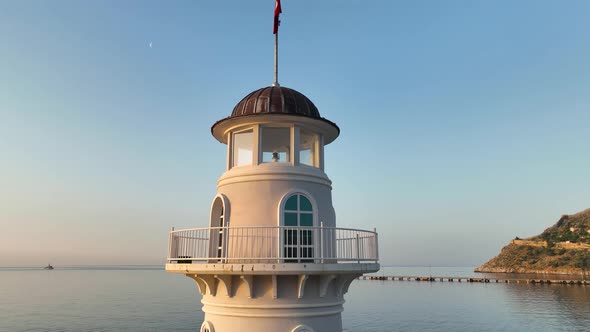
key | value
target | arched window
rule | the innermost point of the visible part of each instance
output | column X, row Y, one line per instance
column 218, row 223
column 298, row 231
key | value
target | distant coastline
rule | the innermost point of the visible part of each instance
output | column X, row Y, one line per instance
column 562, row 249
column 86, row 267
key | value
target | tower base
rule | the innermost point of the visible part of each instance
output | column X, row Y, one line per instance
column 272, row 297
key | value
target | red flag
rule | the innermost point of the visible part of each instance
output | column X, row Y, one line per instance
column 278, row 10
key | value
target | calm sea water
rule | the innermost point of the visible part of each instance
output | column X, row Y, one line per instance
column 149, row 299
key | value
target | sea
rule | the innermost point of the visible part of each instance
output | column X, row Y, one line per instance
column 146, row 298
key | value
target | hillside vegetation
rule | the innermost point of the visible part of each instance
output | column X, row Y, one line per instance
column 563, row 248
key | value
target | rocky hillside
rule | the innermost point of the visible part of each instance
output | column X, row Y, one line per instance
column 563, row 248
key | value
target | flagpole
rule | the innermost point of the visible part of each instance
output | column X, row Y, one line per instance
column 275, row 30
column 276, row 81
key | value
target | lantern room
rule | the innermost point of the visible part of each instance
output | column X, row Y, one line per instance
column 275, row 126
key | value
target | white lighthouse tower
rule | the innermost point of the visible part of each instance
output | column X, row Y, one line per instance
column 272, row 258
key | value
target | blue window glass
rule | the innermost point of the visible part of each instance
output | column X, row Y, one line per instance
column 291, row 219
column 291, row 203
column 306, row 219
column 304, row 204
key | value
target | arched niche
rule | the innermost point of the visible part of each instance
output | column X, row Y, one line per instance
column 219, row 222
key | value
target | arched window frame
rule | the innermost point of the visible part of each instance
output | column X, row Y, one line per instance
column 314, row 205
column 207, row 327
column 216, row 235
column 281, row 219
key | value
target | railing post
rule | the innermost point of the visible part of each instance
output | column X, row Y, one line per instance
column 298, row 242
column 224, row 239
column 358, row 248
column 322, row 242
column 376, row 245
column 170, row 245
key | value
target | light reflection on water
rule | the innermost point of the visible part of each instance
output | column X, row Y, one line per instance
column 149, row 299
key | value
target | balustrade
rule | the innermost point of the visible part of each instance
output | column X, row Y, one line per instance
column 272, row 245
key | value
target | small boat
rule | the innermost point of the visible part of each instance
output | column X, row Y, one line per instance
column 48, row 267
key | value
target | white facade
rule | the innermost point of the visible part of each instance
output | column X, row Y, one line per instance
column 272, row 258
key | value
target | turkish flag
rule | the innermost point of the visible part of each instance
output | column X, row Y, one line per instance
column 278, row 10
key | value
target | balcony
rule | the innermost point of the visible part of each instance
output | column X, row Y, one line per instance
column 273, row 246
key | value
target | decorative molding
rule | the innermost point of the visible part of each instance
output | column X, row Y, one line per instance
column 274, row 172
column 325, row 281
column 200, row 284
column 248, row 280
column 344, row 282
column 229, row 125
column 226, row 280
column 274, row 305
column 272, row 268
column 301, row 285
column 209, row 281
column 270, row 314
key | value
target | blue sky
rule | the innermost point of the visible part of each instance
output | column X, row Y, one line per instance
column 464, row 123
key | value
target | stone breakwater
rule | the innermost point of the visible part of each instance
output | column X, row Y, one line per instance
column 479, row 280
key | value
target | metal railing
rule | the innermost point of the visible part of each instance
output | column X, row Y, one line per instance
column 272, row 245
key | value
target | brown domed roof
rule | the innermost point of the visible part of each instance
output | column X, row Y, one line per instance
column 271, row 102
column 276, row 99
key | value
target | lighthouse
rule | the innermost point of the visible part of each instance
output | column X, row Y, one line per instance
column 271, row 257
